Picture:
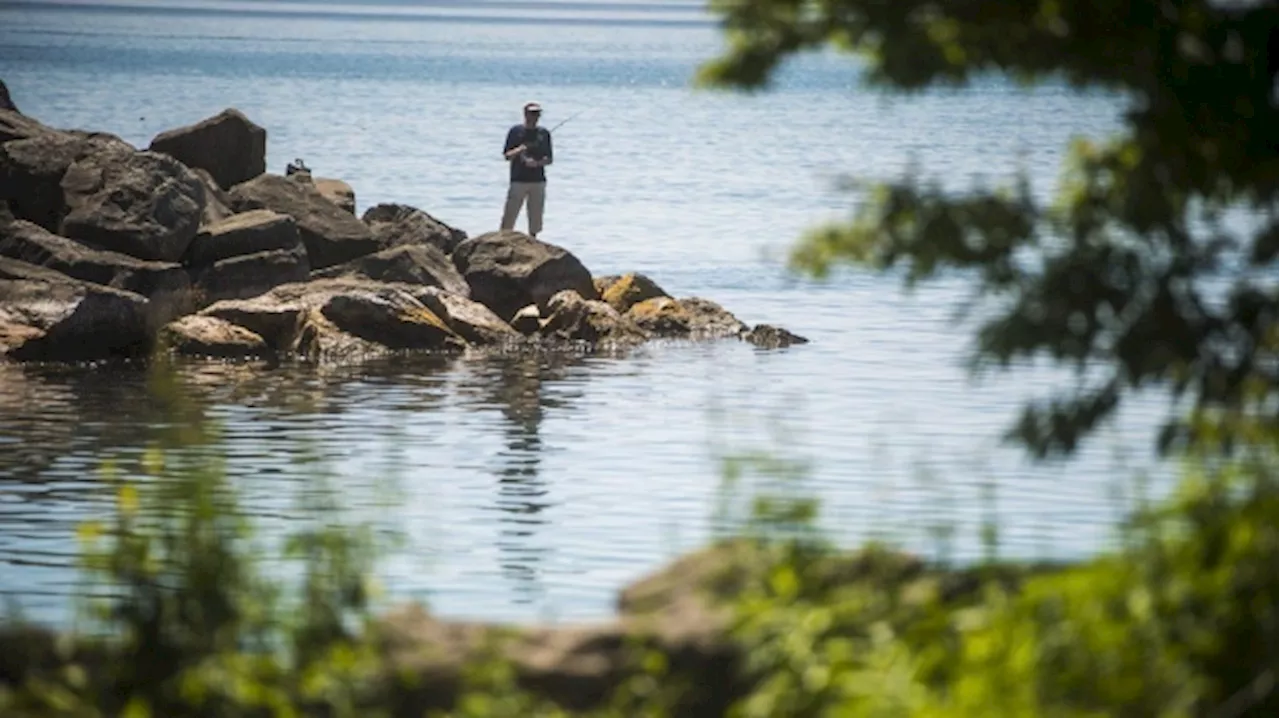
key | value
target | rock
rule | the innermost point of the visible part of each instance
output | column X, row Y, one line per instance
column 572, row 318
column 33, row 244
column 16, row 126
column 49, row 317
column 248, row 275
column 228, row 145
column 211, row 337
column 691, row 318
column 412, row 264
column 509, row 270
column 470, row 320
column 331, row 235
column 767, row 336
column 144, row 204
column 384, row 317
column 32, row 168
column 626, row 291
column 6, row 102
column 217, row 203
column 337, row 192
column 259, row 230
column 527, row 321
column 343, row 318
column 397, row 224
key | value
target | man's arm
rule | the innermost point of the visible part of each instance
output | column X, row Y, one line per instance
column 547, row 160
column 510, row 149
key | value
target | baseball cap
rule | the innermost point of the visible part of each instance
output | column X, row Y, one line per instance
column 532, row 107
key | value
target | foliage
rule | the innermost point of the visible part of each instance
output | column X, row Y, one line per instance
column 1136, row 272
column 190, row 623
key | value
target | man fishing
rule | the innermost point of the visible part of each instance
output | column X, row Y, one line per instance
column 528, row 151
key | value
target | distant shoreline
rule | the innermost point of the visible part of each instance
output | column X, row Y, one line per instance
column 549, row 13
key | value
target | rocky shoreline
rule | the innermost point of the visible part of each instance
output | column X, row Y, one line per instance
column 191, row 247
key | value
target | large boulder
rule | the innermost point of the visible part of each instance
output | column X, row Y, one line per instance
column 468, row 319
column 412, row 264
column 228, row 145
column 259, row 230
column 625, row 291
column 334, row 319
column 331, row 235
column 210, row 337
column 572, row 318
column 144, row 204
column 397, row 224
column 46, row 316
column 688, row 318
column 509, row 270
column 338, row 192
column 248, row 275
column 6, row 102
column 32, row 168
column 33, row 244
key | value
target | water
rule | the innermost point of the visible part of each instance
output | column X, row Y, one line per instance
column 533, row 488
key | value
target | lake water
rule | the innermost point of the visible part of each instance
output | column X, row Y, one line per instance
column 532, row 488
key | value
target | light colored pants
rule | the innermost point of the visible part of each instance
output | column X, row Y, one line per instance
column 536, row 193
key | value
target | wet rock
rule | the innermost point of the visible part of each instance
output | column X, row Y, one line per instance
column 338, row 192
column 626, row 291
column 390, row 318
column 211, row 337
column 144, row 204
column 689, row 318
column 468, row 319
column 412, row 264
column 572, row 318
column 46, row 316
column 509, row 270
column 229, row 146
column 331, row 235
column 248, row 275
column 33, row 244
column 397, row 224
column 6, row 102
column 767, row 336
column 259, row 230
column 32, row 168
column 527, row 321
column 340, row 318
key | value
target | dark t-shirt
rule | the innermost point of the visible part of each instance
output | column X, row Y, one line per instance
column 537, row 142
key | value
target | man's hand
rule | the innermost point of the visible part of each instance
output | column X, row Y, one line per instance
column 514, row 151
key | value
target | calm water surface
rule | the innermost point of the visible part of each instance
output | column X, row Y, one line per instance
column 534, row 487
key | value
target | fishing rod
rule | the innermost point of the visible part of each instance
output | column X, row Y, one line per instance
column 570, row 117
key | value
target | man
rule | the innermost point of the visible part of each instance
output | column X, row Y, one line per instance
column 528, row 151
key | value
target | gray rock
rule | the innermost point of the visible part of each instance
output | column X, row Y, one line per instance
column 144, row 204
column 259, row 230
column 397, row 224
column 331, row 235
column 572, row 318
column 16, row 126
column 767, row 336
column 32, row 168
column 45, row 316
column 470, row 320
column 211, row 337
column 6, row 102
column 412, row 264
column 33, row 244
column 249, row 275
column 510, row 270
column 338, row 192
column 217, row 203
column 228, row 145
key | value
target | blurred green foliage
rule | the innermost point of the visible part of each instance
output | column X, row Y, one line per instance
column 1136, row 276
